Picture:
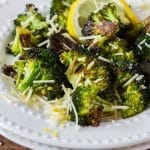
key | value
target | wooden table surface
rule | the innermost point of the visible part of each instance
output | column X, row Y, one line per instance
column 6, row 144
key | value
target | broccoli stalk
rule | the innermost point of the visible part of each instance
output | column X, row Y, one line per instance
column 22, row 39
column 29, row 71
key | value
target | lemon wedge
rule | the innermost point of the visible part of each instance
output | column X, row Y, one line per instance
column 81, row 9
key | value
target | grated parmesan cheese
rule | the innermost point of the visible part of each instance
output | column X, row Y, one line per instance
column 43, row 43
column 98, row 80
column 90, row 65
column 72, row 104
column 130, row 80
column 119, row 54
column 148, row 45
column 65, row 3
column 69, row 37
column 105, row 60
column 43, row 81
column 82, row 59
column 148, row 34
column 29, row 95
column 120, row 107
column 27, row 22
column 90, row 37
column 140, row 77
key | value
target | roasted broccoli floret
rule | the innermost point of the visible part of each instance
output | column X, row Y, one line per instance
column 118, row 52
column 140, row 36
column 34, row 22
column 9, row 70
column 133, row 98
column 22, row 40
column 50, row 60
column 31, row 19
column 142, row 46
column 61, row 9
column 42, row 71
column 84, row 70
column 132, row 91
column 89, row 106
column 113, row 13
column 105, row 25
column 106, row 22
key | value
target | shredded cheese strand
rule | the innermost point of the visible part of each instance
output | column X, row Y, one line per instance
column 130, row 80
column 120, row 107
column 105, row 60
column 90, row 37
column 43, row 43
column 90, row 65
column 26, row 23
column 29, row 95
column 148, row 45
column 43, row 81
column 72, row 104
column 140, row 77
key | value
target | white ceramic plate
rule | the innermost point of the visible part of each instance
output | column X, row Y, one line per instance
column 26, row 142
column 24, row 122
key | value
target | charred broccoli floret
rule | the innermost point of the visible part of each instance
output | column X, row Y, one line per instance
column 31, row 71
column 34, row 22
column 133, row 98
column 83, row 70
column 66, row 42
column 90, row 107
column 106, row 22
column 61, row 9
column 105, row 25
column 140, row 36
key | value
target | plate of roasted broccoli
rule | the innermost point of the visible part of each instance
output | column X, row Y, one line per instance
column 76, row 66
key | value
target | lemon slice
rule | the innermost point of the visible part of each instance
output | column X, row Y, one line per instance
column 81, row 9
column 134, row 19
column 78, row 15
